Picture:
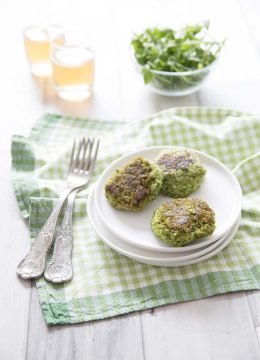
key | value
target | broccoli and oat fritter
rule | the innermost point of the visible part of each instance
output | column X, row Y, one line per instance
column 134, row 185
column 182, row 172
column 177, row 222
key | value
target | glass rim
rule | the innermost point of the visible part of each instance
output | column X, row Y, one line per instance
column 172, row 73
column 181, row 73
column 71, row 45
column 55, row 47
column 43, row 27
column 68, row 44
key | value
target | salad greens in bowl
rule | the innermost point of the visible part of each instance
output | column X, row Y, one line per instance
column 175, row 62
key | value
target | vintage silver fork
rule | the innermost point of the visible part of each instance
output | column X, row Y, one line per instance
column 33, row 264
column 60, row 267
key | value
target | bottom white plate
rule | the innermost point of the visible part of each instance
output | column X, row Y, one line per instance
column 135, row 227
column 152, row 257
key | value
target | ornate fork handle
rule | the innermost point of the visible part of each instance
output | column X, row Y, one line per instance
column 33, row 264
column 60, row 267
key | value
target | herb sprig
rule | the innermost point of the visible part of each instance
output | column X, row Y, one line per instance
column 170, row 50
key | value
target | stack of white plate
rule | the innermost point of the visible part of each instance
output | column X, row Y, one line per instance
column 130, row 233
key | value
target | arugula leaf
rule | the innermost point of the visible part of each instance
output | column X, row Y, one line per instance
column 147, row 74
column 174, row 51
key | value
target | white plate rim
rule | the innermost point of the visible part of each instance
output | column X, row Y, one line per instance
column 208, row 240
column 197, row 253
column 158, row 261
column 207, row 256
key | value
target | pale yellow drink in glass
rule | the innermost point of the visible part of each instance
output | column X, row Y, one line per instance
column 73, row 71
column 37, row 43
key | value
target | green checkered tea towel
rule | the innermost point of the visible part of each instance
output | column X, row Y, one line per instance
column 106, row 283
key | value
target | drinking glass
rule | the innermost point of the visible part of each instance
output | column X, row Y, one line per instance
column 37, row 43
column 73, row 71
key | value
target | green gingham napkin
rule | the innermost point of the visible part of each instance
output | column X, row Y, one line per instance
column 106, row 283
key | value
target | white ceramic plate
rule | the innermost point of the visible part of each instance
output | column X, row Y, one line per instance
column 148, row 256
column 105, row 233
column 220, row 189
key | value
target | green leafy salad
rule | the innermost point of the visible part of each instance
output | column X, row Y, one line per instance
column 172, row 51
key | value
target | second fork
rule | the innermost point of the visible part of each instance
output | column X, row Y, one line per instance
column 60, row 267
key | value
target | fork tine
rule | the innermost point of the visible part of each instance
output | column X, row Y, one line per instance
column 77, row 159
column 88, row 160
column 83, row 160
column 93, row 162
column 72, row 157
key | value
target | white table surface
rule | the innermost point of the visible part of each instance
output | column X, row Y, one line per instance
column 221, row 327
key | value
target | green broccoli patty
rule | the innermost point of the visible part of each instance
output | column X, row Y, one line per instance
column 182, row 172
column 134, row 185
column 180, row 221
